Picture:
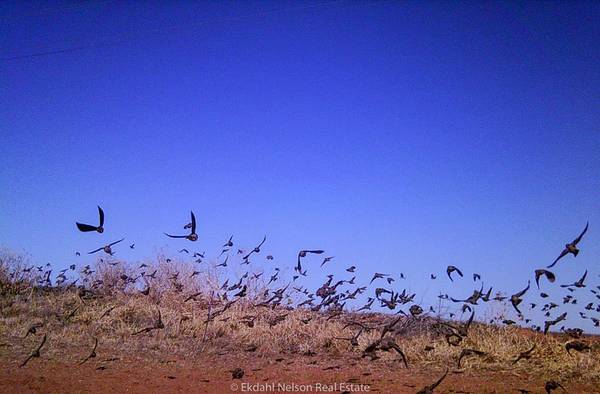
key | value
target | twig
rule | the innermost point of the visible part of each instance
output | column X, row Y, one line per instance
column 207, row 320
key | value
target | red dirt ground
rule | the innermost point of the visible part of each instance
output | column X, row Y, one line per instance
column 213, row 375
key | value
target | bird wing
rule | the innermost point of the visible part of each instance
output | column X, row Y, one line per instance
column 576, row 240
column 193, row 222
column 101, row 215
column 175, row 236
column 562, row 254
column 116, row 242
column 85, row 227
column 262, row 242
column 522, row 292
column 469, row 322
column 96, row 250
column 538, row 273
column 42, row 344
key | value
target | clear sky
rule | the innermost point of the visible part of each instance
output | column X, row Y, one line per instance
column 398, row 136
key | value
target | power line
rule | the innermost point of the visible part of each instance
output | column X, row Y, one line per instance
column 51, row 11
column 121, row 40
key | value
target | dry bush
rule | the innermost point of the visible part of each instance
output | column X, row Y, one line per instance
column 116, row 309
column 13, row 277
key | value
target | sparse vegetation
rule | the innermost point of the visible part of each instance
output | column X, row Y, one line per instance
column 109, row 305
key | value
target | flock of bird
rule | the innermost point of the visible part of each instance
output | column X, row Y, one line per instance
column 331, row 298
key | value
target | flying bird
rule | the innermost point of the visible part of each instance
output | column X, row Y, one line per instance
column 542, row 272
column 256, row 249
column 93, row 352
column 88, row 227
column 526, row 355
column 577, row 346
column 452, row 269
column 571, row 247
column 304, row 253
column 229, row 243
column 552, row 385
column 516, row 299
column 469, row 352
column 192, row 236
column 429, row 389
column 33, row 329
column 579, row 283
column 378, row 276
column 106, row 248
column 35, row 353
column 550, row 323
column 158, row 325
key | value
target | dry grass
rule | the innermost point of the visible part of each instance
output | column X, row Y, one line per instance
column 72, row 322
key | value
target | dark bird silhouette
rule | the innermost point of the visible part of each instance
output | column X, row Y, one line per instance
column 33, row 329
column 87, row 227
column 574, row 332
column 550, row 323
column 92, row 353
column 526, row 355
column 579, row 283
column 571, row 247
column 106, row 248
column 36, row 352
column 542, row 272
column 242, row 293
column 304, row 253
column 326, row 260
column 473, row 298
column 224, row 263
column 192, row 236
column 551, row 385
column 237, row 373
column 516, row 299
column 469, row 352
column 107, row 311
column 415, row 310
column 229, row 243
column 384, row 344
column 429, row 389
column 192, row 296
column 577, row 346
column 378, row 276
column 157, row 325
column 256, row 248
column 452, row 269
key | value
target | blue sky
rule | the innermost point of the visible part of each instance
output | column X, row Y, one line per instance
column 398, row 136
